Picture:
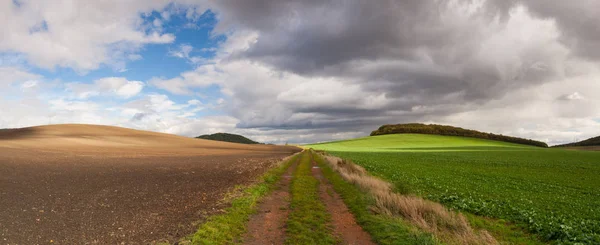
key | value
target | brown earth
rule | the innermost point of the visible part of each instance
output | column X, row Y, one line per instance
column 344, row 223
column 87, row 184
column 268, row 225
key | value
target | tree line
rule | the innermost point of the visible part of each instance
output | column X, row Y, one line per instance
column 419, row 128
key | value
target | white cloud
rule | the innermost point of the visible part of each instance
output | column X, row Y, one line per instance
column 183, row 52
column 67, row 105
column 194, row 102
column 134, row 57
column 78, row 34
column 29, row 84
column 129, row 89
column 10, row 75
column 184, row 84
column 536, row 113
column 115, row 86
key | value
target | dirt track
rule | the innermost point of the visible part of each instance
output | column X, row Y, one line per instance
column 79, row 184
column 268, row 225
column 344, row 224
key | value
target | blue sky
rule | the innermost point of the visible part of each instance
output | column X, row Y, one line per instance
column 302, row 71
column 157, row 60
column 64, row 88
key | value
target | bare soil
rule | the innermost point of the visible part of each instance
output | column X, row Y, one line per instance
column 268, row 225
column 86, row 184
column 344, row 223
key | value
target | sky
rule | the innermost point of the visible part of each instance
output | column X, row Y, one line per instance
column 303, row 71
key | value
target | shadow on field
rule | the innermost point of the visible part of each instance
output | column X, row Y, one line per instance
column 17, row 133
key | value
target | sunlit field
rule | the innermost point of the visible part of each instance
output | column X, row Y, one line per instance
column 554, row 193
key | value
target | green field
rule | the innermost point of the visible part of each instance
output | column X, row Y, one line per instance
column 554, row 193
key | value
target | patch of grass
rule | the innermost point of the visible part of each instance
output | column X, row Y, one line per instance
column 503, row 231
column 227, row 228
column 553, row 193
column 308, row 221
column 383, row 229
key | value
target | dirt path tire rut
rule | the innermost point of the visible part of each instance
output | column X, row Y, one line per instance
column 268, row 225
column 344, row 223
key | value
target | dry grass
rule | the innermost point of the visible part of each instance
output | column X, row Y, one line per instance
column 430, row 216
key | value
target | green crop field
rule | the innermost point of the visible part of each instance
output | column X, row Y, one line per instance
column 554, row 193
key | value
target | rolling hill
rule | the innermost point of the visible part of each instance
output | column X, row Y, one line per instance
column 595, row 141
column 73, row 138
column 153, row 186
column 418, row 128
column 226, row 137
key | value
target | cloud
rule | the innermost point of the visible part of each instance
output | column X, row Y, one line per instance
column 305, row 71
column 347, row 67
column 66, row 105
column 108, row 86
column 184, row 84
column 78, row 35
column 571, row 96
column 577, row 21
column 426, row 47
column 184, row 51
column 10, row 75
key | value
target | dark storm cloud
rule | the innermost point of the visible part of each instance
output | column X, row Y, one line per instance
column 426, row 57
column 306, row 36
column 320, row 38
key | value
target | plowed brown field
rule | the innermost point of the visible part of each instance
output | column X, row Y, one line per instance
column 87, row 184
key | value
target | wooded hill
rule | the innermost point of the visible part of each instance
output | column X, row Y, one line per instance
column 234, row 138
column 589, row 142
column 419, row 128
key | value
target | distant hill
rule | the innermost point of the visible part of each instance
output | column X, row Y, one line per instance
column 92, row 139
column 235, row 138
column 419, row 128
column 589, row 142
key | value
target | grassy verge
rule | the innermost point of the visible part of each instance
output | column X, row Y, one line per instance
column 383, row 229
column 308, row 222
column 228, row 227
column 548, row 192
column 503, row 231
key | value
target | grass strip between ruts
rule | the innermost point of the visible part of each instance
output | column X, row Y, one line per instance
column 309, row 221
